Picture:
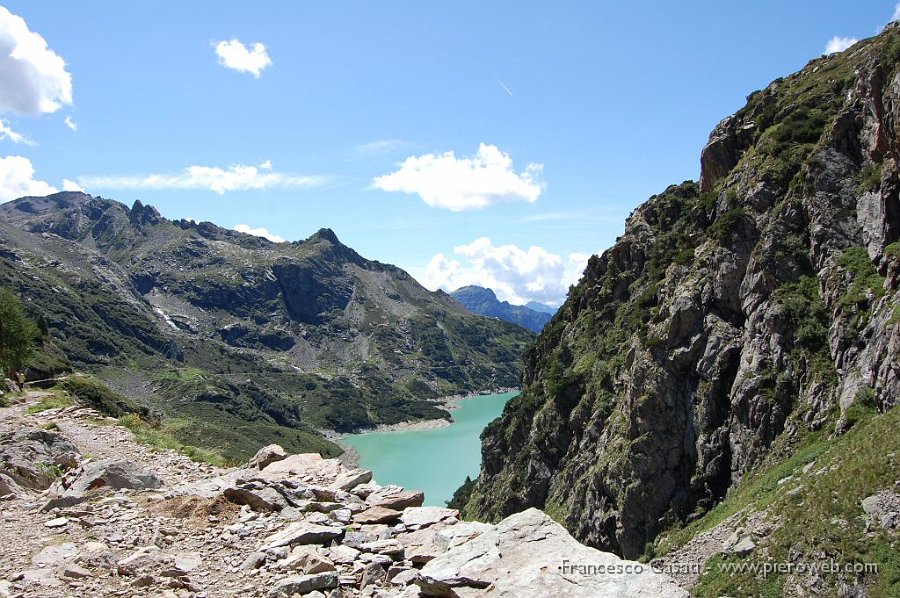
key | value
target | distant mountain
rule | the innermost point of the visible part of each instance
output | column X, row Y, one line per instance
column 242, row 340
column 482, row 301
column 541, row 307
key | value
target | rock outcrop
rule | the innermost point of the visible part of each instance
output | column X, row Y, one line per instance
column 730, row 321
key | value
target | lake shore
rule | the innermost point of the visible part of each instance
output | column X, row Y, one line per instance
column 350, row 456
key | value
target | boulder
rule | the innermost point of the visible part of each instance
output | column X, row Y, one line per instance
column 263, row 499
column 419, row 517
column 33, row 458
column 397, row 500
column 307, row 560
column 303, row 533
column 304, row 584
column 266, row 456
column 529, row 554
column 115, row 474
column 349, row 480
column 377, row 515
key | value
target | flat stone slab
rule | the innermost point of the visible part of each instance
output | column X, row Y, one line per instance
column 377, row 515
column 529, row 554
column 303, row 533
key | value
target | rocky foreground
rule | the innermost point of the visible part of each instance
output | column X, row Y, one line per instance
column 86, row 511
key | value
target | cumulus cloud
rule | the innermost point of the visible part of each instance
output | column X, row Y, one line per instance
column 33, row 78
column 17, row 179
column 71, row 123
column 219, row 180
column 457, row 184
column 234, row 55
column 839, row 44
column 258, row 232
column 516, row 275
column 68, row 185
column 6, row 132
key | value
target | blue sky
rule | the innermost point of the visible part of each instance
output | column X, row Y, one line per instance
column 497, row 143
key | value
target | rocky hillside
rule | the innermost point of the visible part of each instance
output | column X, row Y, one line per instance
column 734, row 334
column 238, row 341
column 482, row 301
column 95, row 514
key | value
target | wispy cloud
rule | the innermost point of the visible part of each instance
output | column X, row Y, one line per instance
column 219, row 180
column 258, row 232
column 379, row 147
column 516, row 275
column 504, row 86
column 33, row 78
column 6, row 132
column 458, row 184
column 839, row 44
column 71, row 123
column 233, row 54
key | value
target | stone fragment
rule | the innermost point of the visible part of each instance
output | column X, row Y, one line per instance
column 263, row 499
column 303, row 533
column 58, row 522
column 266, row 456
column 419, row 517
column 377, row 515
column 307, row 560
column 397, row 500
column 303, row 584
column 349, row 480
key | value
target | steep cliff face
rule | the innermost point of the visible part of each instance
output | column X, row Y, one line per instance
column 732, row 318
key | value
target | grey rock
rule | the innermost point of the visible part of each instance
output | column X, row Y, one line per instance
column 349, row 480
column 744, row 546
column 303, row 584
column 114, row 474
column 265, row 499
column 265, row 456
column 398, row 500
column 373, row 574
column 254, row 560
column 419, row 517
column 302, row 533
column 377, row 515
column 525, row 555
column 307, row 560
column 28, row 457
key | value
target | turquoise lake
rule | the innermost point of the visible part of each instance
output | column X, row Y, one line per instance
column 437, row 460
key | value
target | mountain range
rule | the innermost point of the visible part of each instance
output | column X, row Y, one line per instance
column 238, row 341
column 480, row 300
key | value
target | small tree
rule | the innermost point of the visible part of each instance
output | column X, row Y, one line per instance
column 17, row 333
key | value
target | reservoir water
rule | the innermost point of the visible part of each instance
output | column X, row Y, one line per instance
column 435, row 460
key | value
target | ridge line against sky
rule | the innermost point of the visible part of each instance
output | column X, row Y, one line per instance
column 493, row 145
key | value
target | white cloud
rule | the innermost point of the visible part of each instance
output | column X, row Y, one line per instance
column 71, row 123
column 896, row 16
column 6, row 132
column 234, row 55
column 68, row 185
column 33, row 78
column 515, row 275
column 457, row 184
column 258, row 232
column 17, row 179
column 219, row 180
column 839, row 44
